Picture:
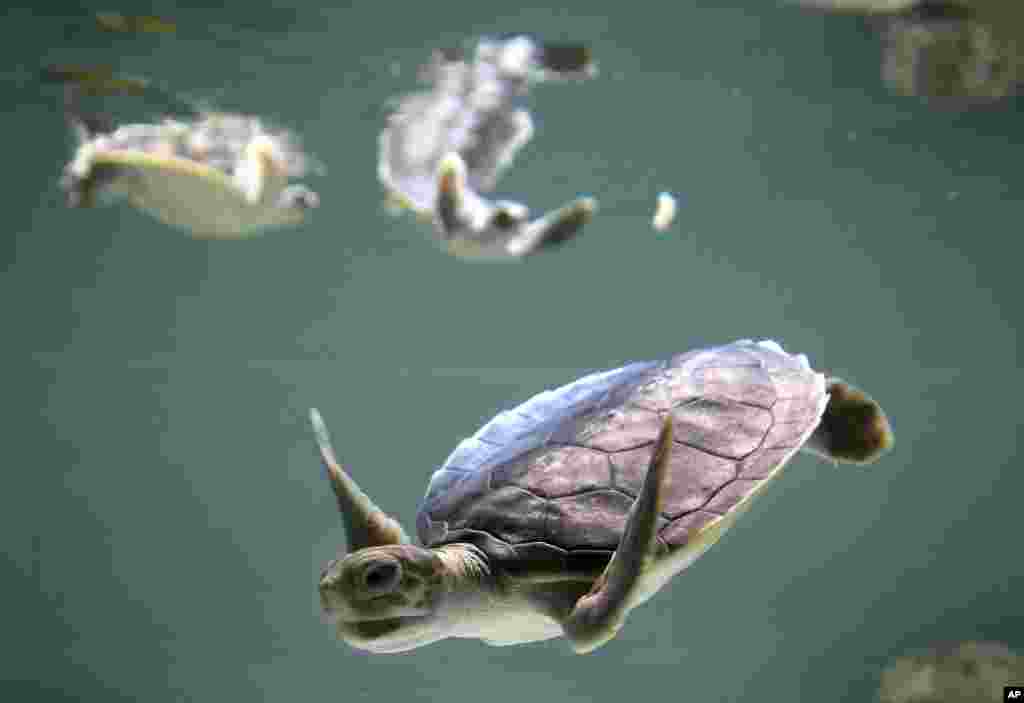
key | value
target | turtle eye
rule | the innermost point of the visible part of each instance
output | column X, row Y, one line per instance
column 503, row 219
column 307, row 200
column 381, row 577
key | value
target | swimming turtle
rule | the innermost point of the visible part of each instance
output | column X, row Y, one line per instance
column 445, row 146
column 217, row 175
column 560, row 516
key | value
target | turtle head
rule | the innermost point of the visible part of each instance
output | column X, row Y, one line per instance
column 386, row 594
column 298, row 198
column 384, row 598
column 85, row 179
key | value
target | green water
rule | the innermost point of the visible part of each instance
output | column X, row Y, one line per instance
column 164, row 516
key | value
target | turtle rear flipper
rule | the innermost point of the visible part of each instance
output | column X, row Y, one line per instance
column 553, row 229
column 853, row 429
column 553, row 60
column 458, row 209
column 567, row 60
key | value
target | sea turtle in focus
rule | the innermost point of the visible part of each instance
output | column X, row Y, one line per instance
column 217, row 175
column 560, row 516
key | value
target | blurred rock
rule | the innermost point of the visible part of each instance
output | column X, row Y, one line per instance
column 948, row 51
column 953, row 51
column 966, row 673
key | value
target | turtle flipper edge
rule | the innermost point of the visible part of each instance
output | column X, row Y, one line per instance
column 553, row 229
column 598, row 615
column 451, row 184
column 366, row 524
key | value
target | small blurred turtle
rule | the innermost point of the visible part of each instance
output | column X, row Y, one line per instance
column 217, row 175
column 444, row 146
column 972, row 672
column 95, row 80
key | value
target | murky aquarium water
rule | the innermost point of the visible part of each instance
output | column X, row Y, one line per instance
column 415, row 218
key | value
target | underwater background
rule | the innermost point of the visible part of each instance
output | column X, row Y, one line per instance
column 164, row 515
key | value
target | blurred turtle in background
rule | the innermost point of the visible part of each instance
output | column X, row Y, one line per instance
column 954, row 52
column 214, row 174
column 972, row 672
column 445, row 146
column 561, row 515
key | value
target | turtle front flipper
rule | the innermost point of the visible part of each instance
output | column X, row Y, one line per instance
column 366, row 524
column 598, row 615
column 463, row 215
column 457, row 208
column 553, row 229
column 451, row 179
column 258, row 174
column 853, row 428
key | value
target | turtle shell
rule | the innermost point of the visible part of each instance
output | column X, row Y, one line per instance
column 546, row 487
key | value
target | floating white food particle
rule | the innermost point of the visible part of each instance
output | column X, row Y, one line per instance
column 664, row 213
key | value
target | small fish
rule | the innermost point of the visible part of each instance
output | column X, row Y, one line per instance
column 95, row 80
column 116, row 22
column 75, row 73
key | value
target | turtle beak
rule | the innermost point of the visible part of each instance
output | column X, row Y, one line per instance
column 366, row 524
column 332, row 604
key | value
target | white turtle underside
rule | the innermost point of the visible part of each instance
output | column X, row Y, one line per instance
column 191, row 195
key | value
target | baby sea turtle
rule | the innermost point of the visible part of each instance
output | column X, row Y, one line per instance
column 446, row 146
column 560, row 516
column 217, row 175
